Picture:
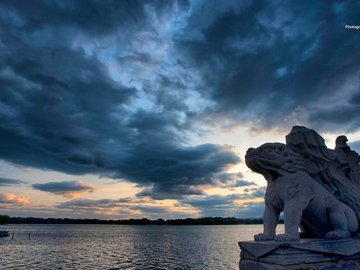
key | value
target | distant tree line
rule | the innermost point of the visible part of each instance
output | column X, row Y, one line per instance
column 4, row 219
column 143, row 221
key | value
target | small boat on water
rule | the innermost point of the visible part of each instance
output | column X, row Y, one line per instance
column 4, row 233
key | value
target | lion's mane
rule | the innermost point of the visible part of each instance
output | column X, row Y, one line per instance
column 274, row 159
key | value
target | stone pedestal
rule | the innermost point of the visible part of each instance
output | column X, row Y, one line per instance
column 314, row 254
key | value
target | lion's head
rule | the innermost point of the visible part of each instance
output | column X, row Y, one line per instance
column 273, row 159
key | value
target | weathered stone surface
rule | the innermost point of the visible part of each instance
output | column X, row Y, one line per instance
column 250, row 265
column 313, row 254
column 316, row 187
column 334, row 169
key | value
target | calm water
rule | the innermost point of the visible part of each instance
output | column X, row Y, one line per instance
column 123, row 247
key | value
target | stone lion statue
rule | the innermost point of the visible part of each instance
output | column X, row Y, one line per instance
column 337, row 170
column 305, row 202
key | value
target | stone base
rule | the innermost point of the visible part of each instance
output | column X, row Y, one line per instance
column 314, row 254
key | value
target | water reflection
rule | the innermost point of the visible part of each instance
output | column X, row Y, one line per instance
column 123, row 247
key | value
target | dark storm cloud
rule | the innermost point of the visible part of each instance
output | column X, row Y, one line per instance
column 67, row 188
column 93, row 17
column 119, row 88
column 51, row 122
column 266, row 61
column 186, row 184
column 344, row 116
column 64, row 108
column 176, row 170
column 10, row 182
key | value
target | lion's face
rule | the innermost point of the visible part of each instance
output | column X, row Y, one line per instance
column 273, row 159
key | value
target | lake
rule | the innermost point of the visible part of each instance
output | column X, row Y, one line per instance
column 124, row 246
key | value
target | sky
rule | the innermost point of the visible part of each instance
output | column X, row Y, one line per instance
column 133, row 109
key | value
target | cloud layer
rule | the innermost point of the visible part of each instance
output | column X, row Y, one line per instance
column 126, row 208
column 10, row 182
column 69, row 189
column 249, row 204
column 13, row 199
column 69, row 106
column 122, row 88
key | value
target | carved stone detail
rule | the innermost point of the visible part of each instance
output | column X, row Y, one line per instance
column 317, row 188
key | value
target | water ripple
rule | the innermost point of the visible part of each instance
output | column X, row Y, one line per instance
column 123, row 247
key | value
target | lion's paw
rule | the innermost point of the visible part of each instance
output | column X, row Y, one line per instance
column 338, row 235
column 263, row 237
column 287, row 237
